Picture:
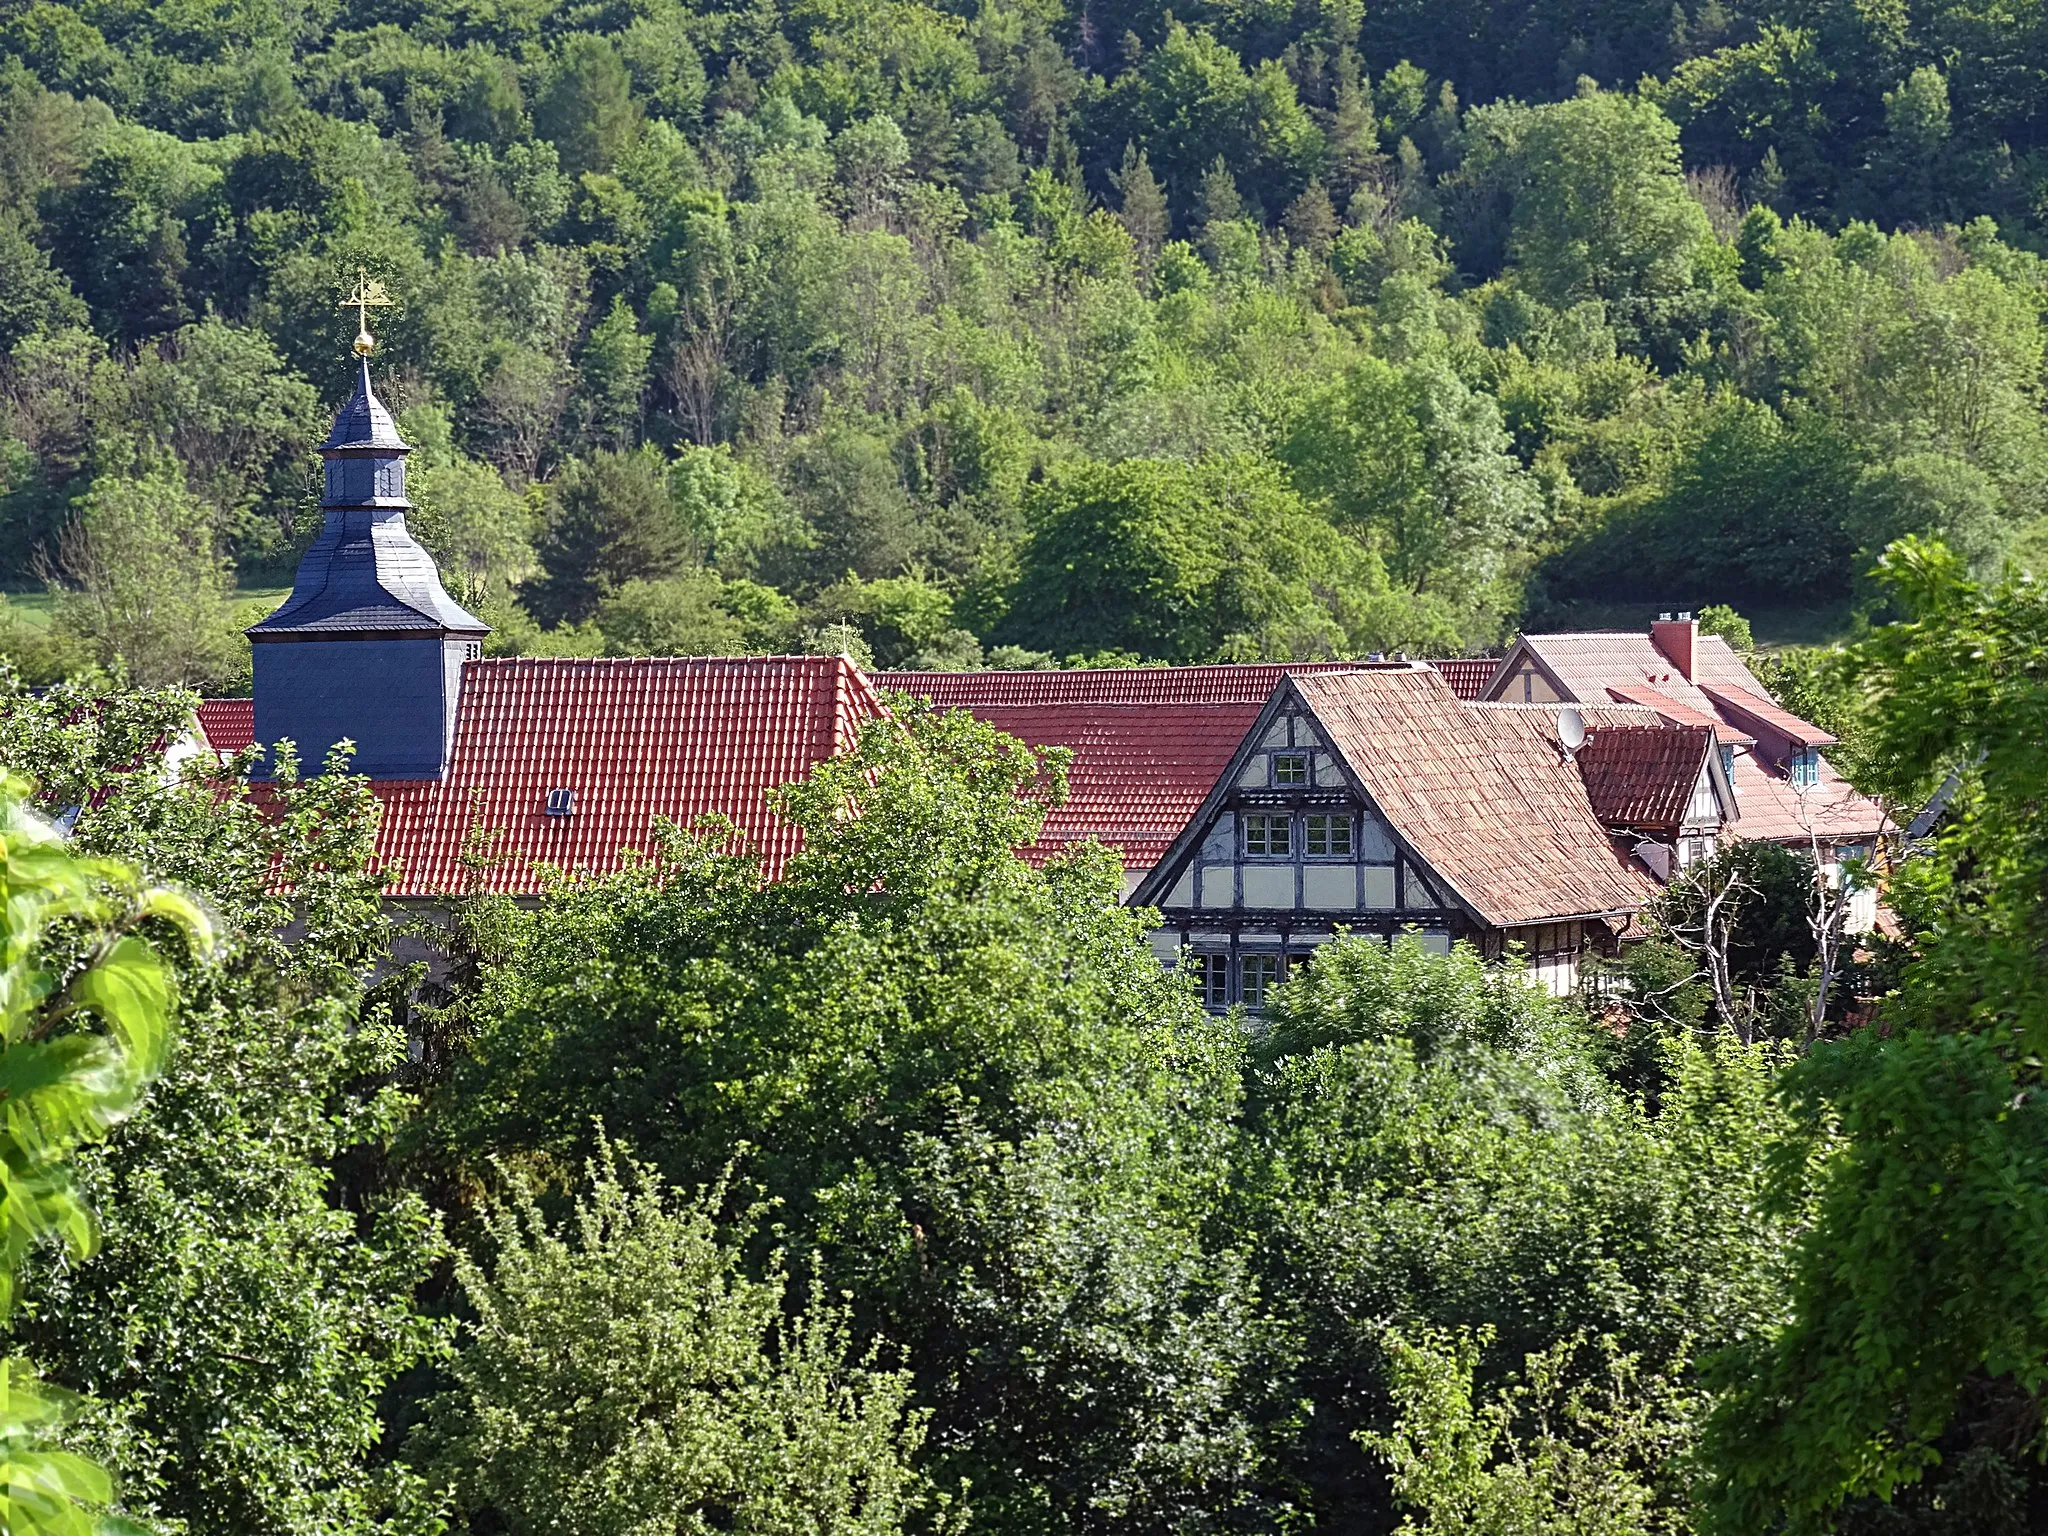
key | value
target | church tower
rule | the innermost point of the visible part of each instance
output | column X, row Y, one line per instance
column 369, row 646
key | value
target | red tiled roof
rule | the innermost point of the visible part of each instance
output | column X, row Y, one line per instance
column 635, row 740
column 1492, row 808
column 1674, row 711
column 1236, row 683
column 1148, row 742
column 1642, row 777
column 229, row 725
column 1140, row 771
column 1748, row 704
column 1629, row 665
column 1776, row 810
column 1468, row 675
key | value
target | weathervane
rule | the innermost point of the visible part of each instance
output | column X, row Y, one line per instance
column 369, row 294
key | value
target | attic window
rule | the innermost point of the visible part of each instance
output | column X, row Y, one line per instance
column 1728, row 762
column 1805, row 771
column 1290, row 768
column 561, row 802
column 1264, row 834
column 1326, row 836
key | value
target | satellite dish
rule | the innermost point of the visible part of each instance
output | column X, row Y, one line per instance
column 1571, row 730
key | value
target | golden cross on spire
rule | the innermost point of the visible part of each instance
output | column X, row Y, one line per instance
column 369, row 294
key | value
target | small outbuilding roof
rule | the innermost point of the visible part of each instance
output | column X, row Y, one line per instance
column 1643, row 777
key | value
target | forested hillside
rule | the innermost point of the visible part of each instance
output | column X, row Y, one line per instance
column 1009, row 330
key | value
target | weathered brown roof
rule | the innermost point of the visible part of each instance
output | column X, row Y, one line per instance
column 1642, row 776
column 1467, row 675
column 1492, row 809
column 1542, row 718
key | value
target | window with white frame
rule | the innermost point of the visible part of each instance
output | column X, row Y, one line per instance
column 1212, row 978
column 1326, row 836
column 1257, row 976
column 1267, row 835
column 1805, row 767
column 1290, row 769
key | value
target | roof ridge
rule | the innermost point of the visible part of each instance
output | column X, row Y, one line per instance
column 585, row 661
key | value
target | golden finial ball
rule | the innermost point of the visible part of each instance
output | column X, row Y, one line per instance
column 365, row 344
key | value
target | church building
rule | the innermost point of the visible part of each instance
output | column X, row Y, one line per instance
column 1262, row 809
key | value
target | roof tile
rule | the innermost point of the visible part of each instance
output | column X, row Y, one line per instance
column 1235, row 683
column 1480, row 795
column 1468, row 675
column 1642, row 777
column 637, row 740
column 229, row 725
column 1750, row 705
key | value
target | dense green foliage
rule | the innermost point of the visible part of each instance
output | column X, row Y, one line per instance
column 85, row 1024
column 637, row 1378
column 1141, row 1268
column 233, row 1337
column 910, row 1191
column 1415, row 322
column 1922, row 1153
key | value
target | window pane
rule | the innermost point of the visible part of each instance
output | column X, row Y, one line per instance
column 1212, row 979
column 1260, row 974
column 1329, row 836
column 1290, row 768
column 1265, row 834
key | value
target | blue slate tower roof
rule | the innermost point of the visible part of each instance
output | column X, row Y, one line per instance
column 365, row 574
column 363, row 422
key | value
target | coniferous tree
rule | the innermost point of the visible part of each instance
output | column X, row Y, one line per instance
column 1143, row 211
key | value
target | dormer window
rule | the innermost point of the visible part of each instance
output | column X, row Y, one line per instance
column 561, row 802
column 1290, row 769
column 1728, row 763
column 1805, row 767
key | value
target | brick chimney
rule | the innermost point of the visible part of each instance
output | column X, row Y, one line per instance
column 1677, row 638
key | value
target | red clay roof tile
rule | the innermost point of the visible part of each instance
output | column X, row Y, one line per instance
column 635, row 740
column 1237, row 683
column 1140, row 771
column 1642, row 777
column 1750, row 705
column 229, row 725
